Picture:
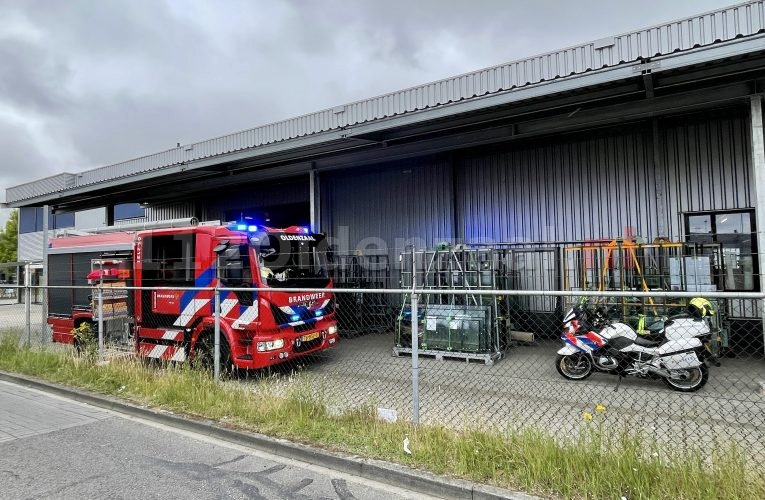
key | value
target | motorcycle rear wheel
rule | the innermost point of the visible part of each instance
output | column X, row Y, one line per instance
column 697, row 378
column 574, row 366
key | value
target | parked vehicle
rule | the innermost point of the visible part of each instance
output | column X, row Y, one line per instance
column 593, row 343
column 143, row 277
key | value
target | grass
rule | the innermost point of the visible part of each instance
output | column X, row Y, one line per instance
column 596, row 464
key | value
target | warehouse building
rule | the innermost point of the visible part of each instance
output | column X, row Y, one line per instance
column 653, row 135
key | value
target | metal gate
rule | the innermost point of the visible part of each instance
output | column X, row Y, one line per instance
column 534, row 269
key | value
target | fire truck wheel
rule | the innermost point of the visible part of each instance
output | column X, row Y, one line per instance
column 205, row 355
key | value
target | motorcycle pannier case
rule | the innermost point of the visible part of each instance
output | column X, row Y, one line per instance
column 680, row 361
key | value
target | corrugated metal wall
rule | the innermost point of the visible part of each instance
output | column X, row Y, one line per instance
column 595, row 185
column 294, row 190
column 95, row 217
column 575, row 188
column 389, row 206
column 708, row 162
column 166, row 211
column 30, row 247
column 570, row 188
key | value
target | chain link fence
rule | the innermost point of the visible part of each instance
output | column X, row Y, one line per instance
column 483, row 359
column 501, row 338
column 490, row 360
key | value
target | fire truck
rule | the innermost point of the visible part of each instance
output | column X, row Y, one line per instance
column 142, row 287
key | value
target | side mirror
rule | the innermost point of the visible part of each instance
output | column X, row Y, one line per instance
column 229, row 263
column 233, row 273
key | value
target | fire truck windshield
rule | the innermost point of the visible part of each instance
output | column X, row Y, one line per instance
column 291, row 263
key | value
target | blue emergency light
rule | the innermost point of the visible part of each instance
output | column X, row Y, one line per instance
column 244, row 226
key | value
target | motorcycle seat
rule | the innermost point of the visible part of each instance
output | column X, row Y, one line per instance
column 647, row 342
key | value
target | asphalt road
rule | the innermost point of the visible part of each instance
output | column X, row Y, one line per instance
column 51, row 447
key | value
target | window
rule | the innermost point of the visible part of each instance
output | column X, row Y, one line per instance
column 28, row 220
column 128, row 211
column 31, row 220
column 733, row 232
column 288, row 264
column 62, row 220
column 168, row 259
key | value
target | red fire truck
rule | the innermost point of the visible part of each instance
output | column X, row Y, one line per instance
column 143, row 278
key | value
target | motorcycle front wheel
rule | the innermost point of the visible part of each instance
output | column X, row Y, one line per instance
column 697, row 378
column 574, row 366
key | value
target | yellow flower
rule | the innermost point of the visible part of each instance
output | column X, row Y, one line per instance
column 600, row 408
column 587, row 416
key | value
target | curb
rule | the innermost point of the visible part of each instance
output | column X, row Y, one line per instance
column 377, row 470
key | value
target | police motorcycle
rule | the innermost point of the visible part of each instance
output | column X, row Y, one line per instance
column 593, row 342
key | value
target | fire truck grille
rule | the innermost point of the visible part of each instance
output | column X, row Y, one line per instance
column 307, row 346
column 309, row 317
column 308, row 325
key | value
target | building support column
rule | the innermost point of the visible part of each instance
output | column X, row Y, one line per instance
column 110, row 214
column 758, row 167
column 315, row 199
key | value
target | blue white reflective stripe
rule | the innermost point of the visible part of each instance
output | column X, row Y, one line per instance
column 248, row 316
column 227, row 305
column 190, row 311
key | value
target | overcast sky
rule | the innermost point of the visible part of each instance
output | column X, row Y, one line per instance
column 90, row 83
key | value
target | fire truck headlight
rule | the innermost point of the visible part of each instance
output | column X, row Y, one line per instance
column 270, row 345
column 332, row 329
column 295, row 317
column 318, row 313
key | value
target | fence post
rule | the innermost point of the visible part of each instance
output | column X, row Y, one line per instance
column 44, row 277
column 415, row 363
column 28, row 302
column 101, row 316
column 216, row 356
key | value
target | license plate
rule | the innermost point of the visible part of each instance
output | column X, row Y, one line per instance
column 688, row 359
column 681, row 361
column 310, row 336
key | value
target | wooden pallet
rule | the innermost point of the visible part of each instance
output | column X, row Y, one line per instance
column 488, row 358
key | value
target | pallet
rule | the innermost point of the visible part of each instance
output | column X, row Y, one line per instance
column 488, row 358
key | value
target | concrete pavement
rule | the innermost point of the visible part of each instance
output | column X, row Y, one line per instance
column 49, row 415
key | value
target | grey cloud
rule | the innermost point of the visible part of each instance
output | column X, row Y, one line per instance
column 20, row 160
column 30, row 77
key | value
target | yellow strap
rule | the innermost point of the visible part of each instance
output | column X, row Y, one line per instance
column 641, row 324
